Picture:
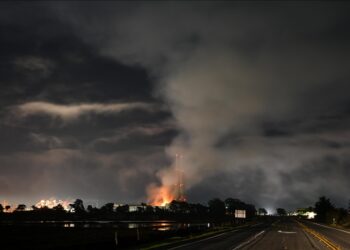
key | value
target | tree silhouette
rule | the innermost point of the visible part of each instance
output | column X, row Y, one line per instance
column 90, row 209
column 58, row 208
column 281, row 211
column 323, row 207
column 234, row 204
column 108, row 208
column 123, row 209
column 262, row 211
column 7, row 208
column 78, row 206
column 1, row 208
column 21, row 208
column 149, row 209
column 34, row 208
column 198, row 209
column 217, row 207
column 179, row 206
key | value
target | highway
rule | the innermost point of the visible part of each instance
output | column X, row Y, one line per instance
column 339, row 237
column 227, row 240
column 284, row 233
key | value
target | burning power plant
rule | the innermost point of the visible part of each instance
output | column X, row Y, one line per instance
column 166, row 193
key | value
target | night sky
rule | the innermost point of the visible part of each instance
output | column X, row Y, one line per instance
column 96, row 98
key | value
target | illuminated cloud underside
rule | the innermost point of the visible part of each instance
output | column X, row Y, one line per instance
column 70, row 112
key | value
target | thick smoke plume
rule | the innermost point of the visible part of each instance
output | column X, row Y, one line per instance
column 246, row 85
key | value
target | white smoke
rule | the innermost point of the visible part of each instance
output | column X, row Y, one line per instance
column 224, row 70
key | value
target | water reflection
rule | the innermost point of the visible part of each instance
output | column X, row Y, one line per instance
column 153, row 225
column 69, row 225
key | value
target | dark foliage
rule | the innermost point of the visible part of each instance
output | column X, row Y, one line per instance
column 176, row 210
column 281, row 212
column 323, row 208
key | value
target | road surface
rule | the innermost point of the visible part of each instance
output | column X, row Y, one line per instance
column 338, row 237
column 284, row 233
column 227, row 240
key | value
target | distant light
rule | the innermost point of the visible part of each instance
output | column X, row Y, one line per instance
column 310, row 215
column 270, row 211
column 51, row 203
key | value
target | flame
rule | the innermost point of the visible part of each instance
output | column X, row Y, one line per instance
column 160, row 195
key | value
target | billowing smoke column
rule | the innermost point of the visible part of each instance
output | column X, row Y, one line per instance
column 235, row 78
column 172, row 185
column 225, row 85
column 225, row 77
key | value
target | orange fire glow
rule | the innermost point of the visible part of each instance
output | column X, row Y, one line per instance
column 160, row 196
column 52, row 203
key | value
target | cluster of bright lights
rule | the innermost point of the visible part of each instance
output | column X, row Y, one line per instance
column 51, row 203
column 310, row 215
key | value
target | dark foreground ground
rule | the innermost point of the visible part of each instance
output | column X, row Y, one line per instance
column 26, row 237
column 284, row 233
column 36, row 235
column 270, row 234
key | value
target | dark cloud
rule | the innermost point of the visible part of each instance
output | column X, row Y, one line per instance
column 59, row 96
column 255, row 97
column 44, row 59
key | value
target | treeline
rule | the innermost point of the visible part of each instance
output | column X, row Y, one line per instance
column 326, row 212
column 216, row 210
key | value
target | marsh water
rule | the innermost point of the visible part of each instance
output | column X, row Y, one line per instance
column 157, row 225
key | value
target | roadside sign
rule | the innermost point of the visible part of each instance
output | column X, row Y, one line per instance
column 240, row 214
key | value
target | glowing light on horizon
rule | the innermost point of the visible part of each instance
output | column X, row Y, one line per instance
column 166, row 193
column 51, row 203
column 270, row 211
column 160, row 196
